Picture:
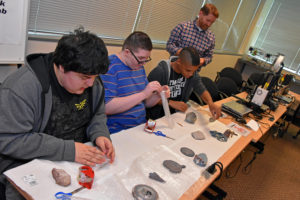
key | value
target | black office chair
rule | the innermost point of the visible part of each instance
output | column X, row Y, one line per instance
column 212, row 88
column 233, row 74
column 291, row 117
column 289, row 78
column 227, row 86
column 256, row 78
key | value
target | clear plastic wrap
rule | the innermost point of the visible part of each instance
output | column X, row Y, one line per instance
column 175, row 185
column 166, row 109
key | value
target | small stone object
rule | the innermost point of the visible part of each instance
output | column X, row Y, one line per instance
column 61, row 177
column 173, row 166
column 200, row 159
column 198, row 135
column 191, row 117
column 186, row 151
column 155, row 176
column 221, row 137
column 144, row 192
column 211, row 119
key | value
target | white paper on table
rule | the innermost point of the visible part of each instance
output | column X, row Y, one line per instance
column 239, row 129
column 41, row 170
column 135, row 154
column 253, row 125
column 176, row 184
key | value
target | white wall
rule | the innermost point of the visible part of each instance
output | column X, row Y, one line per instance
column 219, row 60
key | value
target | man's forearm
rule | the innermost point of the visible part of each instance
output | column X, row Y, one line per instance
column 152, row 100
column 122, row 104
column 205, row 96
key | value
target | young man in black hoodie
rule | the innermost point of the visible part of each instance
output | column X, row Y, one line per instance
column 180, row 74
column 53, row 105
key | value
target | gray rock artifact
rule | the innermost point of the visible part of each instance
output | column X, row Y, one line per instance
column 200, row 159
column 211, row 119
column 173, row 166
column 61, row 177
column 186, row 151
column 198, row 135
column 221, row 137
column 144, row 192
column 191, row 117
column 155, row 176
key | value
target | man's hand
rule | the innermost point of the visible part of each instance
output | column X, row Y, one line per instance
column 106, row 147
column 167, row 89
column 215, row 110
column 178, row 105
column 202, row 61
column 152, row 87
column 88, row 155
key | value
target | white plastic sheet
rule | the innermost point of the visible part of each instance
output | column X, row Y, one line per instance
column 166, row 109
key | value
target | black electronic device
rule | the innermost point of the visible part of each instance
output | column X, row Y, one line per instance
column 247, row 102
column 273, row 105
column 241, row 120
column 236, row 109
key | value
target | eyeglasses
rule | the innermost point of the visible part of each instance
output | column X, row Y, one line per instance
column 138, row 61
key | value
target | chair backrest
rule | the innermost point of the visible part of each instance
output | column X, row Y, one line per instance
column 288, row 79
column 256, row 78
column 296, row 117
column 233, row 74
column 211, row 88
column 227, row 86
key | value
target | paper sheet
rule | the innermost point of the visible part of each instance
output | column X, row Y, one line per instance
column 253, row 125
column 137, row 153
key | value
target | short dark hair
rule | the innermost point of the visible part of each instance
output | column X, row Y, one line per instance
column 189, row 55
column 210, row 9
column 82, row 52
column 137, row 40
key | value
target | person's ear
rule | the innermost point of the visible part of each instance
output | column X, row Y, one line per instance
column 61, row 68
column 201, row 13
column 178, row 61
column 126, row 51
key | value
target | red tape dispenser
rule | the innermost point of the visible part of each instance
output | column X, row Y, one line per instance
column 150, row 126
column 86, row 176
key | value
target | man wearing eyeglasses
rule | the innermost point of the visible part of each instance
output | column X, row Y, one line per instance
column 127, row 90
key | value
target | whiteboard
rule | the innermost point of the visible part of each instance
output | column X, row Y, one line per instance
column 13, row 30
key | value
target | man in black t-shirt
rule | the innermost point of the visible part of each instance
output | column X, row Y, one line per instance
column 182, row 78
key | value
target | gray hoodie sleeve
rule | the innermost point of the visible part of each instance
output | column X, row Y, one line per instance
column 19, row 118
column 97, row 126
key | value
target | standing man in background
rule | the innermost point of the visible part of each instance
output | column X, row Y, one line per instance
column 54, row 104
column 196, row 34
column 127, row 90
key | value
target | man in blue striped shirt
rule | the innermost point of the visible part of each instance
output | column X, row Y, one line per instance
column 127, row 91
column 195, row 34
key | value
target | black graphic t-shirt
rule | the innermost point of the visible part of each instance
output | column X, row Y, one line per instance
column 70, row 113
column 176, row 85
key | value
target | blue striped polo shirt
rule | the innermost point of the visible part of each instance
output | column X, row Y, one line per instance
column 122, row 81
